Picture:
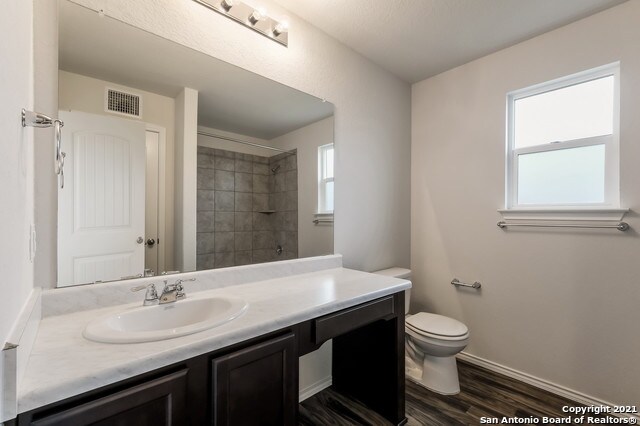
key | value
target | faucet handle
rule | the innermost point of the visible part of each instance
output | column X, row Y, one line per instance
column 182, row 281
column 151, row 297
column 143, row 287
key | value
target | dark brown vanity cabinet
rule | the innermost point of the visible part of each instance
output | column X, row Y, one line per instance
column 255, row 382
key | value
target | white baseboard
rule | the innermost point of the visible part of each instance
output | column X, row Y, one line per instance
column 314, row 388
column 539, row 383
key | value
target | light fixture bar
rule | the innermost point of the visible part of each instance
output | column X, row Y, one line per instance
column 254, row 19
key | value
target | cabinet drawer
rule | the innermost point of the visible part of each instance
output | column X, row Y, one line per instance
column 333, row 325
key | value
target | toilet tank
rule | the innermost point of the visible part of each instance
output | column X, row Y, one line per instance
column 399, row 273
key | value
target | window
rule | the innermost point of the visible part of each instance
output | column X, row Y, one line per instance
column 563, row 143
column 325, row 178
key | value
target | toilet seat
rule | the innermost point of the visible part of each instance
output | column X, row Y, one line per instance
column 437, row 326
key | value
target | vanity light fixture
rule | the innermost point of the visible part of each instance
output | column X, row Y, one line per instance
column 255, row 19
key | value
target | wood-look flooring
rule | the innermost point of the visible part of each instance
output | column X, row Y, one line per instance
column 483, row 394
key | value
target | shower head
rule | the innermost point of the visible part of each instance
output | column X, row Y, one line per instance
column 275, row 169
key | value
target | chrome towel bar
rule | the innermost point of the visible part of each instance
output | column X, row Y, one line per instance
column 38, row 120
column 456, row 282
column 620, row 226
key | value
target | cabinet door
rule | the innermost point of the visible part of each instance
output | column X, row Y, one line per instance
column 257, row 385
column 154, row 403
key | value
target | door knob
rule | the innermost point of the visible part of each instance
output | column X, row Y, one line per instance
column 140, row 240
column 151, row 242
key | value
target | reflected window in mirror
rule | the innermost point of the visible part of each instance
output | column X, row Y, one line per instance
column 325, row 179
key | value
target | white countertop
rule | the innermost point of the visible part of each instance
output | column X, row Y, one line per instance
column 62, row 363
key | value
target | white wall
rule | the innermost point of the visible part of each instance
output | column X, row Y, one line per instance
column 16, row 173
column 561, row 305
column 372, row 116
column 313, row 240
column 186, row 167
column 45, row 62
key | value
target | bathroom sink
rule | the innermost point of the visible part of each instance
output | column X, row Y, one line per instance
column 160, row 322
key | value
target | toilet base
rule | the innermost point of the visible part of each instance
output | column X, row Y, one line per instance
column 438, row 374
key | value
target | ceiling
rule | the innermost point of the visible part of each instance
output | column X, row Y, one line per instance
column 229, row 98
column 417, row 39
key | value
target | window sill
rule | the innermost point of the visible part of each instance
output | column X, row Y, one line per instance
column 592, row 214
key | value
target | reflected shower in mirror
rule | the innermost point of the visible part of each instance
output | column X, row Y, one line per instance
column 177, row 161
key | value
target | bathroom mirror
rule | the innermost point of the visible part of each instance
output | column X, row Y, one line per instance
column 177, row 161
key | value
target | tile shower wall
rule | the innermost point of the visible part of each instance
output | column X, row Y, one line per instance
column 284, row 200
column 244, row 209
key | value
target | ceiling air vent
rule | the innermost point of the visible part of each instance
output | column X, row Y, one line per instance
column 123, row 103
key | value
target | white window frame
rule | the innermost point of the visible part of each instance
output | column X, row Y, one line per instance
column 610, row 142
column 323, row 180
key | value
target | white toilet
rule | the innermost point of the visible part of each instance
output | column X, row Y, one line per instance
column 431, row 343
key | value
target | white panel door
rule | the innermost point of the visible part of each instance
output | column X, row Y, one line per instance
column 101, row 208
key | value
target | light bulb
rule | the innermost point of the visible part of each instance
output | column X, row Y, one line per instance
column 280, row 28
column 257, row 16
column 226, row 5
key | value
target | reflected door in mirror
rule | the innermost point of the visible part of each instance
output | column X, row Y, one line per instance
column 101, row 210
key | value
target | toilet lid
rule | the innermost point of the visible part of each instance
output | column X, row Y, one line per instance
column 437, row 324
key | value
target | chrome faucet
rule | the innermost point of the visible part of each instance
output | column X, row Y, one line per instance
column 173, row 292
column 170, row 293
